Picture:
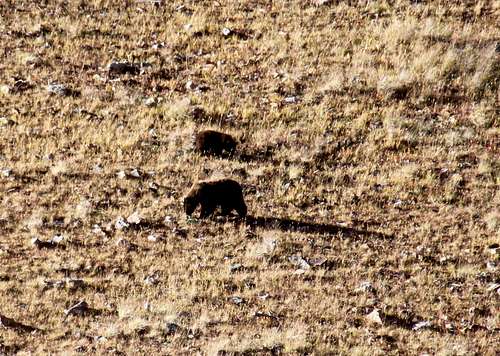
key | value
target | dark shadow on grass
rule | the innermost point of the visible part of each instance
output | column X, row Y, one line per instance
column 148, row 225
column 311, row 227
column 15, row 325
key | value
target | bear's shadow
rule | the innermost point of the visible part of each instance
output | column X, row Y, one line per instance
column 292, row 225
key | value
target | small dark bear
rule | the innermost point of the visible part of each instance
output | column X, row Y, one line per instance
column 211, row 142
column 210, row 194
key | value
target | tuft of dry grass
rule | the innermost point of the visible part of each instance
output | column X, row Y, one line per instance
column 369, row 160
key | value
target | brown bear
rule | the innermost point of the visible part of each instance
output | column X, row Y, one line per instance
column 210, row 194
column 211, row 142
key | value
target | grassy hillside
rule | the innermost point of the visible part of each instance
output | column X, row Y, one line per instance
column 369, row 158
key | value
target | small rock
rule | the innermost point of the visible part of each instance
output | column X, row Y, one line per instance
column 153, row 134
column 374, row 317
column 100, row 339
column 299, row 262
column 121, row 174
column 152, row 238
column 153, row 187
column 5, row 89
column 150, row 102
column 263, row 296
column 121, row 224
column 48, row 284
column 235, row 267
column 96, row 229
column 152, row 279
column 318, row 261
column 421, row 325
column 135, row 173
column 365, row 287
column 237, row 300
column 58, row 89
column 97, row 169
column 57, row 238
column 4, row 121
column 398, row 204
column 6, row 172
column 135, row 218
column 125, row 243
column 491, row 266
column 226, row 32
column 494, row 248
column 158, row 45
column 321, row 2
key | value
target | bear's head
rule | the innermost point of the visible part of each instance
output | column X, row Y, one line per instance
column 190, row 204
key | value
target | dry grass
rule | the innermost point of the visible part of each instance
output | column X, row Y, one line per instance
column 371, row 145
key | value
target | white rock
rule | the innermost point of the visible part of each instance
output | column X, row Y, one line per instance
column 152, row 279
column 96, row 229
column 226, row 31
column 135, row 218
column 237, row 300
column 235, row 267
column 321, row 2
column 121, row 174
column 263, row 296
column 4, row 121
column 365, row 287
column 299, row 262
column 83, row 208
column 491, row 266
column 57, row 238
column 374, row 317
column 97, row 168
column 150, row 102
column 59, row 89
column 421, row 325
column 135, row 173
column 6, row 172
column 120, row 223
